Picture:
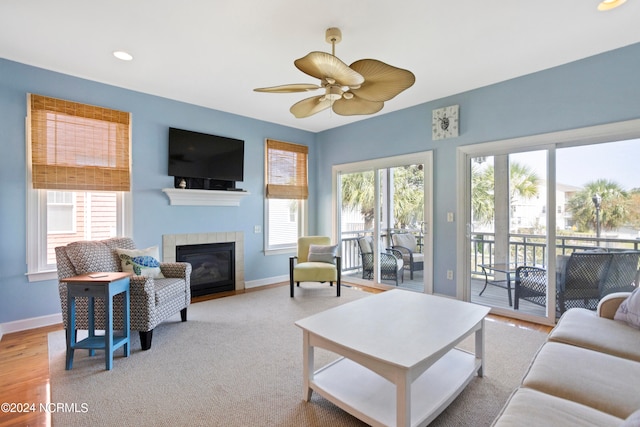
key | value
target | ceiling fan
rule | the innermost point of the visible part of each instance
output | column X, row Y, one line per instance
column 360, row 88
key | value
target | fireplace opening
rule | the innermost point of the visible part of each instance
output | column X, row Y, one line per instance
column 212, row 266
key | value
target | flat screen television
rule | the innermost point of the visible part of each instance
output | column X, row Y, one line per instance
column 205, row 161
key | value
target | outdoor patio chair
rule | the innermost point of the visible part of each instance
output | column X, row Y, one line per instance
column 407, row 244
column 584, row 277
column 622, row 274
column 531, row 285
column 391, row 262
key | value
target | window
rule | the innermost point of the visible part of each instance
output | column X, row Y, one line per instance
column 286, row 191
column 79, row 181
column 61, row 210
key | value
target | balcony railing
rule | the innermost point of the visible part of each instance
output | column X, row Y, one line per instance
column 532, row 249
column 523, row 248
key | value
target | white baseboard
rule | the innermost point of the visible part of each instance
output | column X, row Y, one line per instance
column 53, row 319
column 265, row 282
column 32, row 323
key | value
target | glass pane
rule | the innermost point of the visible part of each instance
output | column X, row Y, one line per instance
column 357, row 224
column 283, row 222
column 90, row 216
column 599, row 200
column 405, row 195
column 508, row 211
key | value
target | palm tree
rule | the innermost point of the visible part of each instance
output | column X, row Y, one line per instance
column 358, row 193
column 523, row 184
column 408, row 200
column 614, row 207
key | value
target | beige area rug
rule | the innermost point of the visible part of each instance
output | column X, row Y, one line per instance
column 237, row 361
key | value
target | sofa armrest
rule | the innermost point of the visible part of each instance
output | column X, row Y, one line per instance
column 608, row 305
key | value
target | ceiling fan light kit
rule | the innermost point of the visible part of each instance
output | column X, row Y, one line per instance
column 361, row 88
column 610, row 4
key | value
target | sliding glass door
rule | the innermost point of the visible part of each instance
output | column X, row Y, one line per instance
column 528, row 208
column 383, row 222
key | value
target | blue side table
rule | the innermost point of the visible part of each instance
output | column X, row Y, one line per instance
column 103, row 285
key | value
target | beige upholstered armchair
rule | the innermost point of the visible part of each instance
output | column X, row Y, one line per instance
column 152, row 300
column 317, row 261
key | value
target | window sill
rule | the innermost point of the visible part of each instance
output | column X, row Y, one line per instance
column 41, row 276
column 280, row 251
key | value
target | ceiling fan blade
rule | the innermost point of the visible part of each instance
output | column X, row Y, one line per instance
column 382, row 81
column 356, row 106
column 309, row 106
column 297, row 87
column 323, row 65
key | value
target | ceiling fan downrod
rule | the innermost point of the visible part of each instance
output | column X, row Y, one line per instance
column 333, row 36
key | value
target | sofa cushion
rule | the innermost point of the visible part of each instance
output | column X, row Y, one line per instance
column 141, row 262
column 632, row 420
column 584, row 328
column 531, row 408
column 604, row 382
column 92, row 256
column 629, row 310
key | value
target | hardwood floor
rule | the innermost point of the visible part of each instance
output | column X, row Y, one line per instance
column 24, row 367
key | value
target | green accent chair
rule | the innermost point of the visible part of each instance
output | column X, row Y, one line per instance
column 322, row 265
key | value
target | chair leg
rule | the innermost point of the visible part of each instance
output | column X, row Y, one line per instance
column 183, row 314
column 145, row 339
column 291, row 277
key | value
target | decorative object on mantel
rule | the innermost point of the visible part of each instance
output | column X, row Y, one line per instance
column 445, row 122
column 187, row 197
column 360, row 88
column 183, row 184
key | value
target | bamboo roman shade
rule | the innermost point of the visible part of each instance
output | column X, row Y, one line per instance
column 78, row 147
column 286, row 170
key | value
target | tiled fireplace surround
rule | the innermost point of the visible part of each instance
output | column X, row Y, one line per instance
column 170, row 241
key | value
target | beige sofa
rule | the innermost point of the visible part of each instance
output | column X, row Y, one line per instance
column 586, row 374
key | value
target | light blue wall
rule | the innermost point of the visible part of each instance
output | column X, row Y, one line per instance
column 152, row 214
column 597, row 90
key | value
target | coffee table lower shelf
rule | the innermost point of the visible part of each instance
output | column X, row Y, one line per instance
column 372, row 399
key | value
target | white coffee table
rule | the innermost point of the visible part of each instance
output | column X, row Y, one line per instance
column 400, row 366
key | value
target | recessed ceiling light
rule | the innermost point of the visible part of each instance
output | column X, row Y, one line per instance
column 120, row 54
column 610, row 4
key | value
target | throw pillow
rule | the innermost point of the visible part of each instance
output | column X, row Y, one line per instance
column 322, row 253
column 141, row 262
column 629, row 310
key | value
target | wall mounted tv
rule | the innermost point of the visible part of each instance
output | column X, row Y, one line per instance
column 202, row 161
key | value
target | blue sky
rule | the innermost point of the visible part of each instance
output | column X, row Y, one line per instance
column 616, row 161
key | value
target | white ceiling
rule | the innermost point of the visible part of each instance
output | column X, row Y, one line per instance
column 214, row 52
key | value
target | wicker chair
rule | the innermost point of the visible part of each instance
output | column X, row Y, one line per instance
column 531, row 285
column 391, row 262
column 583, row 278
column 407, row 244
column 151, row 300
column 622, row 274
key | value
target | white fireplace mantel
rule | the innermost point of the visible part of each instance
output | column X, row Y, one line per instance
column 187, row 197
